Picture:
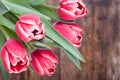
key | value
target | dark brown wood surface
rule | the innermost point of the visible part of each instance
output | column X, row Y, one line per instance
column 100, row 46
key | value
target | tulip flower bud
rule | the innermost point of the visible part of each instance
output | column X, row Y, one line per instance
column 72, row 9
column 44, row 61
column 29, row 27
column 14, row 56
column 72, row 32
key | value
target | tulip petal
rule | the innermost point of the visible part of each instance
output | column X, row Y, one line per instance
column 49, row 55
column 72, row 32
column 65, row 14
column 21, row 33
column 14, row 56
column 11, row 47
column 36, row 64
column 65, row 30
column 13, row 60
column 5, row 59
column 72, row 9
column 44, row 61
column 19, row 67
column 29, row 19
column 29, row 27
column 46, row 64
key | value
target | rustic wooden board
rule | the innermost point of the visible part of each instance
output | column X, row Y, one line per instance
column 106, row 39
column 100, row 46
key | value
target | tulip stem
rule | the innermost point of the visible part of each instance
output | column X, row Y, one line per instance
column 5, row 33
column 30, row 46
column 30, row 67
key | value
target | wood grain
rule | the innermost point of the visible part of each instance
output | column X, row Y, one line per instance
column 106, row 36
column 100, row 46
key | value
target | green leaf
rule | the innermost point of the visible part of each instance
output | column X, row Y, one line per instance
column 7, row 23
column 4, row 72
column 49, row 41
column 3, row 8
column 35, row 2
column 50, row 11
column 73, row 59
column 41, row 45
column 9, row 15
column 8, row 27
column 11, row 33
column 30, row 2
column 21, row 8
column 54, row 35
column 2, row 41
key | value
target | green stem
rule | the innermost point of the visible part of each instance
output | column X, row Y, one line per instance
column 30, row 46
column 30, row 67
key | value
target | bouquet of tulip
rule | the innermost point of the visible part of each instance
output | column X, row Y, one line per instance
column 29, row 28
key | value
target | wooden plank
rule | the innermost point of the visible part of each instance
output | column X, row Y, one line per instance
column 106, row 39
column 27, row 75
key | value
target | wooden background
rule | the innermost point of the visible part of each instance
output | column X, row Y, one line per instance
column 100, row 47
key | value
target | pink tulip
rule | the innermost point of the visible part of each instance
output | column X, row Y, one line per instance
column 72, row 32
column 44, row 61
column 29, row 27
column 72, row 9
column 14, row 56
